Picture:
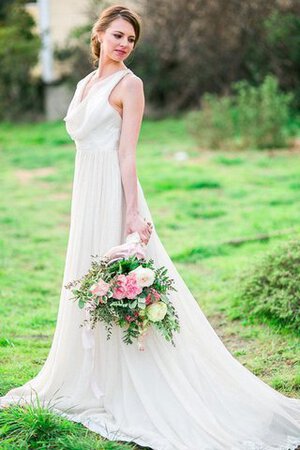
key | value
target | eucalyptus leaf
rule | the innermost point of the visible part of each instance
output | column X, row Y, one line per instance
column 133, row 304
column 81, row 304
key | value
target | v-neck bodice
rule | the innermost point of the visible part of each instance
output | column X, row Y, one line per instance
column 92, row 122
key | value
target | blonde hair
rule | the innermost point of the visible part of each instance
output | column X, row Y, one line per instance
column 107, row 16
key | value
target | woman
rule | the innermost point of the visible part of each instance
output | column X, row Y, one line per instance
column 194, row 396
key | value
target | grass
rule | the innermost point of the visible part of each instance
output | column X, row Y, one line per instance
column 38, row 428
column 200, row 206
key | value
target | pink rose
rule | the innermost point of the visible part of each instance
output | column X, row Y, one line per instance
column 132, row 288
column 100, row 288
column 152, row 297
column 127, row 287
column 119, row 291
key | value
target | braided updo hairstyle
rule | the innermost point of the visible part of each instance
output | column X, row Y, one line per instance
column 107, row 16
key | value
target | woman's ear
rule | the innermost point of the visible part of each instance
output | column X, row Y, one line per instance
column 99, row 36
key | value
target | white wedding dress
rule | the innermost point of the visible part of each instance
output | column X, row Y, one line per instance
column 195, row 396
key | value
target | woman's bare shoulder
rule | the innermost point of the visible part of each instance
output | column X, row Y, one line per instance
column 133, row 83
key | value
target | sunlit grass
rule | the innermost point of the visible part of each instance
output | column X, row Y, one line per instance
column 27, row 427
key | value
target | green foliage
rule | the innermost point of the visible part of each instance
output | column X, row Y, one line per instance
column 270, row 289
column 262, row 113
column 3, row 9
column 284, row 28
column 213, row 125
column 19, row 50
column 253, row 117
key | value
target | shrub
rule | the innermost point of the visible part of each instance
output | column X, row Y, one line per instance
column 270, row 289
column 262, row 113
column 213, row 125
column 253, row 117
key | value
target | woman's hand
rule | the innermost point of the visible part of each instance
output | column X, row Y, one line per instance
column 135, row 222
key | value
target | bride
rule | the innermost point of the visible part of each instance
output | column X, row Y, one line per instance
column 194, row 396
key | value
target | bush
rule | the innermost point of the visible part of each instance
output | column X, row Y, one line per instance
column 270, row 289
column 253, row 117
column 262, row 114
column 213, row 124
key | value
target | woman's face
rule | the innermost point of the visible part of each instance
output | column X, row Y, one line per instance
column 117, row 40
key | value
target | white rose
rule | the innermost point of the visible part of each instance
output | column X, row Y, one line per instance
column 144, row 276
column 157, row 311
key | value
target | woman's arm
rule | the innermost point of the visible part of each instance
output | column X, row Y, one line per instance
column 133, row 103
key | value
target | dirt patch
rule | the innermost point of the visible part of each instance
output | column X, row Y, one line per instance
column 26, row 176
column 61, row 196
column 231, row 338
column 33, row 336
column 206, row 154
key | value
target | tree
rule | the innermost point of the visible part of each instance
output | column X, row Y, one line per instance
column 283, row 37
column 205, row 45
column 189, row 48
column 19, row 49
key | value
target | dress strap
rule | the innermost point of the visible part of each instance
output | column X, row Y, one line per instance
column 115, row 79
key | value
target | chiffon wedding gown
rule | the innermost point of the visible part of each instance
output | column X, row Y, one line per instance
column 194, row 396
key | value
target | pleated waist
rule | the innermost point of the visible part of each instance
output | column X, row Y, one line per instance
column 84, row 147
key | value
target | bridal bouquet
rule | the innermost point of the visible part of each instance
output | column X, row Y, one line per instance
column 125, row 289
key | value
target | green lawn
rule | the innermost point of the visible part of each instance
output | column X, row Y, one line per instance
column 199, row 205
